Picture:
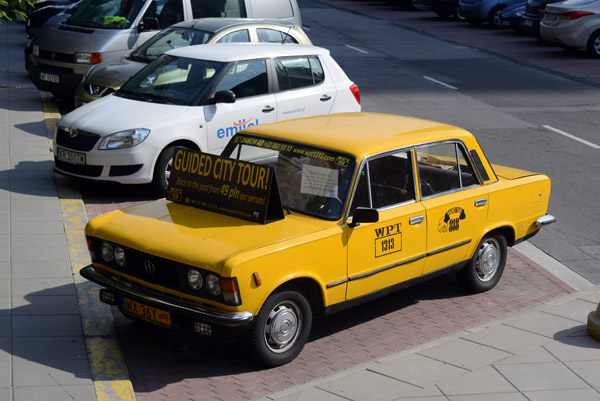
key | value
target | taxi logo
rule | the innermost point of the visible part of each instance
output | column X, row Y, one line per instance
column 149, row 267
column 236, row 127
column 451, row 220
column 388, row 239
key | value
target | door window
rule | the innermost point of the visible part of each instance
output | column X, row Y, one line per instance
column 267, row 35
column 298, row 72
column 218, row 8
column 246, row 78
column 241, row 36
column 170, row 13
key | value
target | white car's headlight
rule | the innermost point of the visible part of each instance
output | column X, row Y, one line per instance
column 124, row 139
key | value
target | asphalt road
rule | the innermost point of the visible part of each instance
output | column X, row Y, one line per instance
column 531, row 105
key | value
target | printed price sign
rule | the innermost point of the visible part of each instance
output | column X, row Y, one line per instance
column 223, row 185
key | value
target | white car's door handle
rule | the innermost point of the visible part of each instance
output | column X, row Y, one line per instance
column 325, row 98
column 480, row 202
column 268, row 109
column 416, row 220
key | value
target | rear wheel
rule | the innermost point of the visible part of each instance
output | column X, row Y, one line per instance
column 486, row 266
column 281, row 328
column 495, row 17
column 593, row 45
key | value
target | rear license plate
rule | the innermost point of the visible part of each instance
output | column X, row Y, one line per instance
column 147, row 313
column 49, row 78
column 70, row 157
column 528, row 22
column 550, row 17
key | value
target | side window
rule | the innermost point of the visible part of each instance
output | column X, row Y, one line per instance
column 443, row 167
column 385, row 181
column 170, row 13
column 266, row 35
column 317, row 70
column 218, row 8
column 241, row 36
column 272, row 9
column 293, row 72
column 246, row 78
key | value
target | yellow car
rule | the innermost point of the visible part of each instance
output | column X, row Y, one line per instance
column 308, row 217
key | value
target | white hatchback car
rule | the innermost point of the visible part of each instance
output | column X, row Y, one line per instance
column 197, row 97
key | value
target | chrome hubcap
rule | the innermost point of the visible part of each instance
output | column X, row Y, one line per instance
column 168, row 168
column 282, row 327
column 488, row 258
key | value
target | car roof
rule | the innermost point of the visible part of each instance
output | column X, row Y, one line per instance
column 227, row 52
column 361, row 134
column 217, row 24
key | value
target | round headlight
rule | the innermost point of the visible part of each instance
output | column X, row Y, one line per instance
column 194, row 279
column 212, row 285
column 120, row 256
column 106, row 250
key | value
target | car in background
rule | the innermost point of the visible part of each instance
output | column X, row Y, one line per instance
column 101, row 30
column 108, row 76
column 476, row 12
column 574, row 24
column 534, row 12
column 442, row 8
column 334, row 211
column 197, row 97
column 39, row 17
column 512, row 16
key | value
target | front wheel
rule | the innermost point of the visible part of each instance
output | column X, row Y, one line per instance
column 281, row 328
column 486, row 266
column 162, row 171
column 593, row 45
column 495, row 17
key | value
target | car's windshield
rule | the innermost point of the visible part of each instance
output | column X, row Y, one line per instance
column 108, row 14
column 171, row 80
column 310, row 180
column 170, row 38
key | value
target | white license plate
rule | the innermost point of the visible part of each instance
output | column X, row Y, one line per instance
column 49, row 77
column 70, row 157
column 528, row 22
column 550, row 17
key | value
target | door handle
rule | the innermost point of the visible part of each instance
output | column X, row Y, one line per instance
column 325, row 98
column 268, row 109
column 416, row 220
column 480, row 202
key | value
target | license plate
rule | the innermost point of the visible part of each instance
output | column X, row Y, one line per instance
column 528, row 22
column 49, row 77
column 550, row 17
column 147, row 313
column 70, row 157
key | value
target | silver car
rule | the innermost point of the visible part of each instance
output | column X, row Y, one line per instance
column 573, row 24
column 108, row 77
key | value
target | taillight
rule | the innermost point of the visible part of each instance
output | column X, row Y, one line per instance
column 542, row 8
column 574, row 14
column 356, row 92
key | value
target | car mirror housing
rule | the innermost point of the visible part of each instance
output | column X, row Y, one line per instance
column 364, row 215
column 224, row 97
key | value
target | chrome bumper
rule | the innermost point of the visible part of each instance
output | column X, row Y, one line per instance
column 112, row 283
column 547, row 219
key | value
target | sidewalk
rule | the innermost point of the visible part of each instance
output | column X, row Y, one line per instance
column 57, row 340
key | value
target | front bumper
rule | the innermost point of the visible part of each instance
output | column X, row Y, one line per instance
column 66, row 85
column 186, row 310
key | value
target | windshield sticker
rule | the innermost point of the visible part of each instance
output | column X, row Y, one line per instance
column 319, row 181
column 222, row 185
column 451, row 220
column 389, row 239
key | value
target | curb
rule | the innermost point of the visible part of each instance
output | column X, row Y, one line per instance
column 107, row 364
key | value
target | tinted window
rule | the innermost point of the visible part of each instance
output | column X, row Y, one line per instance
column 246, row 78
column 218, row 8
column 237, row 36
column 273, row 36
column 293, row 73
column 170, row 13
column 317, row 70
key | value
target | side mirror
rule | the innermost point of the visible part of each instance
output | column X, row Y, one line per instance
column 148, row 24
column 364, row 215
column 224, row 97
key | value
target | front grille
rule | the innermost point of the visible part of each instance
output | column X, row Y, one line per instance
column 117, row 171
column 49, row 55
column 87, row 171
column 83, row 141
column 53, row 68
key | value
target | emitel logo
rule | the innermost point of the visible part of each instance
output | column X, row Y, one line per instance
column 149, row 267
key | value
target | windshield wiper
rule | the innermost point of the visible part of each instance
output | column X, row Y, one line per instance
column 87, row 23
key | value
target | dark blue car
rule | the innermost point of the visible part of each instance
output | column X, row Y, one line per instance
column 512, row 16
column 479, row 11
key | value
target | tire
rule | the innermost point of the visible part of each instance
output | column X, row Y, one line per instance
column 162, row 171
column 281, row 328
column 486, row 266
column 495, row 17
column 593, row 45
column 458, row 15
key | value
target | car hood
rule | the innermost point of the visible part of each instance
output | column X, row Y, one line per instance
column 65, row 38
column 193, row 236
column 509, row 173
column 114, row 73
column 111, row 114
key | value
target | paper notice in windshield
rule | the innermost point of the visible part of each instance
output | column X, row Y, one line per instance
column 222, row 185
column 319, row 181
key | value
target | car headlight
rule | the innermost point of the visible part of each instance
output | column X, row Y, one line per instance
column 35, row 50
column 88, row 58
column 194, row 279
column 120, row 256
column 212, row 285
column 106, row 251
column 124, row 139
column 520, row 13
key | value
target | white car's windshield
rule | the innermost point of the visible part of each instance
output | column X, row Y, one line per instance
column 310, row 180
column 171, row 80
column 108, row 14
column 170, row 38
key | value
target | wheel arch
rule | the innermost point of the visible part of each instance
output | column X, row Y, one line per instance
column 507, row 231
column 310, row 288
column 187, row 143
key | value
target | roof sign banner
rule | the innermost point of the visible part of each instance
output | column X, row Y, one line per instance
column 223, row 185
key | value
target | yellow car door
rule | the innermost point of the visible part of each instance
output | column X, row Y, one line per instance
column 391, row 250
